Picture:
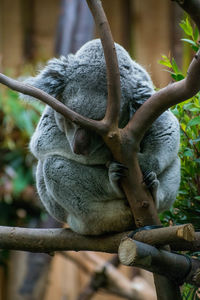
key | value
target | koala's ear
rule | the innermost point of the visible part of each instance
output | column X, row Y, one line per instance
column 140, row 94
column 52, row 79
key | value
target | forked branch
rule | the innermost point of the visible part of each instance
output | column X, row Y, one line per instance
column 164, row 99
column 134, row 253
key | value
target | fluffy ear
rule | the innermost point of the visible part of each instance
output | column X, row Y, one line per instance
column 52, row 79
column 143, row 91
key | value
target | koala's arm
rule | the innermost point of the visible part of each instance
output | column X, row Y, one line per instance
column 47, row 138
column 159, row 147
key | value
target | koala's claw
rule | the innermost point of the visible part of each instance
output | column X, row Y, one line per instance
column 150, row 179
column 116, row 171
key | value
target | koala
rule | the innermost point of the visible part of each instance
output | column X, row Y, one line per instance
column 77, row 178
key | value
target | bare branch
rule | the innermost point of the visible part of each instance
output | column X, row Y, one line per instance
column 181, row 245
column 27, row 89
column 113, row 77
column 178, row 268
column 164, row 99
column 54, row 239
column 166, row 235
column 50, row 240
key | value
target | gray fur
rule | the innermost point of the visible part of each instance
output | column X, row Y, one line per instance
column 81, row 190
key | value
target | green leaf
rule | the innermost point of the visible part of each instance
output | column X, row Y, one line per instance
column 182, row 192
column 189, row 41
column 175, row 111
column 196, row 140
column 195, row 48
column 187, row 105
column 177, row 77
column 194, row 109
column 187, row 27
column 188, row 152
column 194, row 121
column 165, row 61
column 174, row 66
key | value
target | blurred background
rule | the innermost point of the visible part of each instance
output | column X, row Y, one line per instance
column 31, row 32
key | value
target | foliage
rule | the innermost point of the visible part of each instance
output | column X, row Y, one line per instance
column 187, row 206
column 18, row 120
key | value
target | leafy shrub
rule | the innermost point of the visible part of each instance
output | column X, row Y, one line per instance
column 18, row 120
column 187, row 206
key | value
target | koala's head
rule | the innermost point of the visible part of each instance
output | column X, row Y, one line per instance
column 79, row 81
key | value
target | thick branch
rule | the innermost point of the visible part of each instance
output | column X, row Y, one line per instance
column 166, row 235
column 178, row 268
column 192, row 7
column 181, row 245
column 50, row 240
column 113, row 77
column 164, row 99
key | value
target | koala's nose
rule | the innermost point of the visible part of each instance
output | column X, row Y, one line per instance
column 81, row 142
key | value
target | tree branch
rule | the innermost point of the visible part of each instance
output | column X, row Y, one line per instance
column 113, row 77
column 63, row 239
column 50, row 240
column 27, row 89
column 164, row 99
column 166, row 235
column 182, row 245
column 178, row 268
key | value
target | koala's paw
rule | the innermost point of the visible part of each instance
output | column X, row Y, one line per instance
column 115, row 172
column 150, row 178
